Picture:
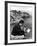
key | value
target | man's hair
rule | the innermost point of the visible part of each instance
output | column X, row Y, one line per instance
column 21, row 21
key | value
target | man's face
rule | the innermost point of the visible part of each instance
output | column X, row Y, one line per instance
column 20, row 24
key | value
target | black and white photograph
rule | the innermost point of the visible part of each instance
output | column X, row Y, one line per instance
column 20, row 22
column 20, row 25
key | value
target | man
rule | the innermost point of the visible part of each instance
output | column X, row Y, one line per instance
column 17, row 29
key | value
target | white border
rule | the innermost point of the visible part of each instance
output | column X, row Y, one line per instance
column 26, row 40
